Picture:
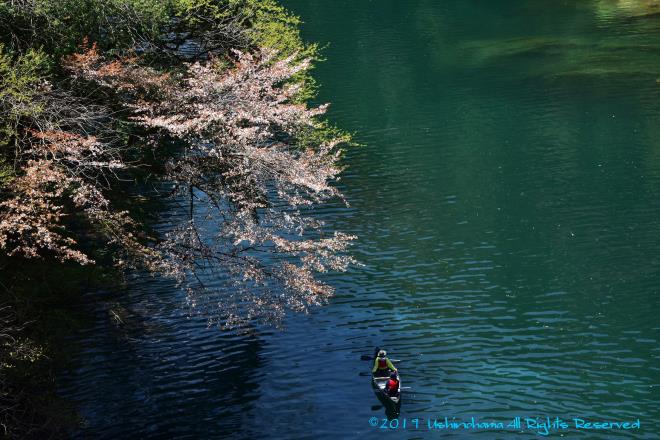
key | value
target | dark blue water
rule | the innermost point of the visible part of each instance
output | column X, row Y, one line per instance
column 507, row 200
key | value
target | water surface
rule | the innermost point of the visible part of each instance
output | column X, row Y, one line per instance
column 507, row 200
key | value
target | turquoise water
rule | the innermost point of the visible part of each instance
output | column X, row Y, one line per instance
column 507, row 200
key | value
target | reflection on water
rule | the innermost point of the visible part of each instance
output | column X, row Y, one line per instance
column 620, row 47
column 570, row 56
column 606, row 9
column 507, row 204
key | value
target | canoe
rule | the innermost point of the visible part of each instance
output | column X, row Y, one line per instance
column 379, row 387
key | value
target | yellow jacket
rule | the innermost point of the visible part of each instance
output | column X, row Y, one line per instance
column 389, row 365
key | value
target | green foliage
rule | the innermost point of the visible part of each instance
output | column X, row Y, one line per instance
column 59, row 26
column 266, row 24
column 6, row 173
column 272, row 26
column 20, row 80
column 311, row 137
column 192, row 9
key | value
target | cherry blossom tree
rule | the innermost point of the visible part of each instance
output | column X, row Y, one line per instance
column 251, row 163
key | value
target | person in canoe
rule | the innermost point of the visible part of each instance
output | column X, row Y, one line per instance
column 392, row 385
column 382, row 365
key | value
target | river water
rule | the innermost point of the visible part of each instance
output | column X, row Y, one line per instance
column 507, row 200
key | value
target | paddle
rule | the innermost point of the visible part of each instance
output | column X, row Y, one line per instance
column 366, row 357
